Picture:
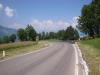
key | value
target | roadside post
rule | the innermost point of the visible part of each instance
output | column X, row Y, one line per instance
column 3, row 53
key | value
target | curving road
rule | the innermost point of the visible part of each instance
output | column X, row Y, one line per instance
column 58, row 59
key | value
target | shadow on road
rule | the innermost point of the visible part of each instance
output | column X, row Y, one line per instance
column 70, row 41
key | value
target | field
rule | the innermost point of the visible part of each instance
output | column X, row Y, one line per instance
column 91, row 53
column 14, row 49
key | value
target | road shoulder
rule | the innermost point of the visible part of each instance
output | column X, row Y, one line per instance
column 27, row 53
column 81, row 66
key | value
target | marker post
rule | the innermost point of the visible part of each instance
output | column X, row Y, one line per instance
column 3, row 53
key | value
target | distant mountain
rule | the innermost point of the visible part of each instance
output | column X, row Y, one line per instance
column 7, row 31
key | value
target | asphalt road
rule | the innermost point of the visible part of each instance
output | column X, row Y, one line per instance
column 58, row 59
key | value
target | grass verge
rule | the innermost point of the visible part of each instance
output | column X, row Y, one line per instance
column 14, row 49
column 91, row 53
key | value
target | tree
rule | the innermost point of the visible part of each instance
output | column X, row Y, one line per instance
column 31, row 33
column 1, row 41
column 76, row 35
column 47, row 35
column 86, row 21
column 71, row 34
column 22, row 34
column 40, row 36
column 52, row 35
column 89, row 21
column 6, row 39
column 43, row 35
column 12, row 38
column 96, row 4
column 61, row 35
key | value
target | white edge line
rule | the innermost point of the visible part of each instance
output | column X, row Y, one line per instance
column 76, row 60
column 83, row 62
column 10, row 58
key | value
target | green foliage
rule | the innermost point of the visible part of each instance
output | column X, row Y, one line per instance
column 40, row 36
column 43, row 35
column 61, row 34
column 6, row 39
column 22, row 34
column 93, row 42
column 12, row 38
column 27, row 34
column 1, row 40
column 52, row 35
column 31, row 33
column 71, row 33
column 86, row 22
column 76, row 35
column 89, row 21
column 47, row 36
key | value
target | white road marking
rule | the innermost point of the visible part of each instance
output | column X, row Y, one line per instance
column 83, row 63
column 76, row 60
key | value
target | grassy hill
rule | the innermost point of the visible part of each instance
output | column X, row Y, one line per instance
column 91, row 53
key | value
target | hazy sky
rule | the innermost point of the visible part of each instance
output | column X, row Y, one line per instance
column 44, row 15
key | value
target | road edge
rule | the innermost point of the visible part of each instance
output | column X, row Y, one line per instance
column 82, row 66
column 76, row 60
column 10, row 58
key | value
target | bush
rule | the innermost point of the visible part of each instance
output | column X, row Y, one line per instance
column 12, row 38
column 1, row 41
column 6, row 39
column 22, row 34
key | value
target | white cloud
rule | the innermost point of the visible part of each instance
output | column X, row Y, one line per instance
column 75, row 21
column 75, row 18
column 49, row 25
column 1, row 6
column 9, row 11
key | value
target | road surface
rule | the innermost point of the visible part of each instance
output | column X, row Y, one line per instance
column 58, row 59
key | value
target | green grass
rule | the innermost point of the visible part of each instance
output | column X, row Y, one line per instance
column 94, row 43
column 91, row 53
column 15, row 45
column 14, row 49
